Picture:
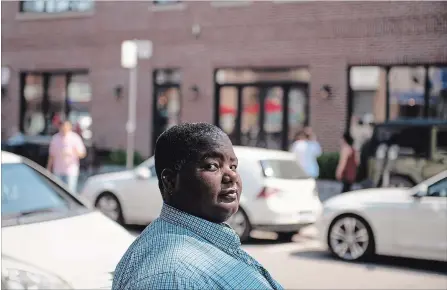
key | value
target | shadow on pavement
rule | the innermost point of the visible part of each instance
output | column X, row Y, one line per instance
column 261, row 241
column 381, row 261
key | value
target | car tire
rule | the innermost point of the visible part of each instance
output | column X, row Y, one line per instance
column 240, row 224
column 110, row 206
column 400, row 181
column 286, row 236
column 350, row 238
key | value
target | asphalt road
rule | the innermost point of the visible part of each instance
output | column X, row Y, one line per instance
column 302, row 264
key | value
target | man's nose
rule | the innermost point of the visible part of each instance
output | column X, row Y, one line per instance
column 229, row 176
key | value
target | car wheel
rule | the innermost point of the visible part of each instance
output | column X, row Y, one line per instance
column 286, row 236
column 240, row 224
column 350, row 238
column 109, row 205
column 399, row 181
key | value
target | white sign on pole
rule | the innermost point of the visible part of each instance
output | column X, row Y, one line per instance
column 129, row 54
column 145, row 49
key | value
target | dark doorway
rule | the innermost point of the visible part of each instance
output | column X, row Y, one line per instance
column 166, row 101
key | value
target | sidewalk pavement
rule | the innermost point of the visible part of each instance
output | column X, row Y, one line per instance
column 326, row 188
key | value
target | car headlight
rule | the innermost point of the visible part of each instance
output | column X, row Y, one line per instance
column 17, row 275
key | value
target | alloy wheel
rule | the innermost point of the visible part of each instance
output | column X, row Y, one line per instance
column 239, row 223
column 349, row 238
column 109, row 206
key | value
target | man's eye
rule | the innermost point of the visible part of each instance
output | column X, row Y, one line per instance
column 233, row 167
column 212, row 166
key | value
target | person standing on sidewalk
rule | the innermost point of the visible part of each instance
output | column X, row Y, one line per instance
column 66, row 150
column 307, row 149
column 347, row 164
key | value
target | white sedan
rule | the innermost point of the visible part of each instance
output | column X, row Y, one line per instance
column 277, row 196
column 405, row 222
column 50, row 238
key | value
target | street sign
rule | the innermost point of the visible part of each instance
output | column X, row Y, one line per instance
column 129, row 54
column 145, row 49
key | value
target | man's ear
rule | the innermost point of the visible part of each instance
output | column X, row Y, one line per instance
column 168, row 180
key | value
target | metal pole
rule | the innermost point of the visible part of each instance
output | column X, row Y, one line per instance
column 131, row 123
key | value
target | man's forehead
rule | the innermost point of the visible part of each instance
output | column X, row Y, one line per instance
column 215, row 147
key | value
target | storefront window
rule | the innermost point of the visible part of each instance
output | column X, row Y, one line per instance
column 297, row 111
column 56, row 101
column 33, row 119
column 407, row 92
column 438, row 92
column 412, row 92
column 242, row 76
column 166, row 2
column 228, row 109
column 55, row 6
column 368, row 101
column 51, row 97
column 79, row 101
column 273, row 103
column 167, row 100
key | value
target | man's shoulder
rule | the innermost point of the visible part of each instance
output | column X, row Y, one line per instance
column 173, row 279
column 158, row 253
column 162, row 242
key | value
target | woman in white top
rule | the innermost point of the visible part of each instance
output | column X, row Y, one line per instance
column 307, row 150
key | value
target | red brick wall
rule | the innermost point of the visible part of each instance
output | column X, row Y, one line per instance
column 325, row 36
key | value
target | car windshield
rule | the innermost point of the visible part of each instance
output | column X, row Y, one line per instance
column 26, row 192
column 282, row 169
column 404, row 137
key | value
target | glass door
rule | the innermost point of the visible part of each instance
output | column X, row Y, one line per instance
column 166, row 110
column 256, row 115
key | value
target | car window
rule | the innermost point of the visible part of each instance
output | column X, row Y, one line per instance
column 404, row 137
column 282, row 169
column 26, row 190
column 438, row 189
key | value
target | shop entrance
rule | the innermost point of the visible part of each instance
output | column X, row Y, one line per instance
column 263, row 114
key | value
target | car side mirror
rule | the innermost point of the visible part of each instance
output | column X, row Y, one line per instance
column 421, row 192
column 418, row 195
column 142, row 173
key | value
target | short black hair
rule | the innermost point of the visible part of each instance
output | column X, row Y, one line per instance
column 180, row 144
column 348, row 138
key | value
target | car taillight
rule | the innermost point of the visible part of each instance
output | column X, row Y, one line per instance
column 267, row 192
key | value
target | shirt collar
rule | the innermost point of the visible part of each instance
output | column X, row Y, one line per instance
column 221, row 235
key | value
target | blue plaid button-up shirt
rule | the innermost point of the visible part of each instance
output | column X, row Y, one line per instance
column 181, row 251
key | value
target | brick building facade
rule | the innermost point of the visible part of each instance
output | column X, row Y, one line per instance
column 198, row 38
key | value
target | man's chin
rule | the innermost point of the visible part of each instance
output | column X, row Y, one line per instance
column 227, row 210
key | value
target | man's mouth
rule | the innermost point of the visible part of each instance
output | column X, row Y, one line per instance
column 228, row 195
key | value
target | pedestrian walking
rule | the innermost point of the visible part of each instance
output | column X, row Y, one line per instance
column 307, row 149
column 347, row 164
column 66, row 150
column 189, row 246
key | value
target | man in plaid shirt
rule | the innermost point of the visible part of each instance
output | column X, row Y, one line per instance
column 189, row 246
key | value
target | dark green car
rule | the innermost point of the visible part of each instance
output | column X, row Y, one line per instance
column 422, row 152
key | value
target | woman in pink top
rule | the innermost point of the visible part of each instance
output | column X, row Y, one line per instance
column 66, row 150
